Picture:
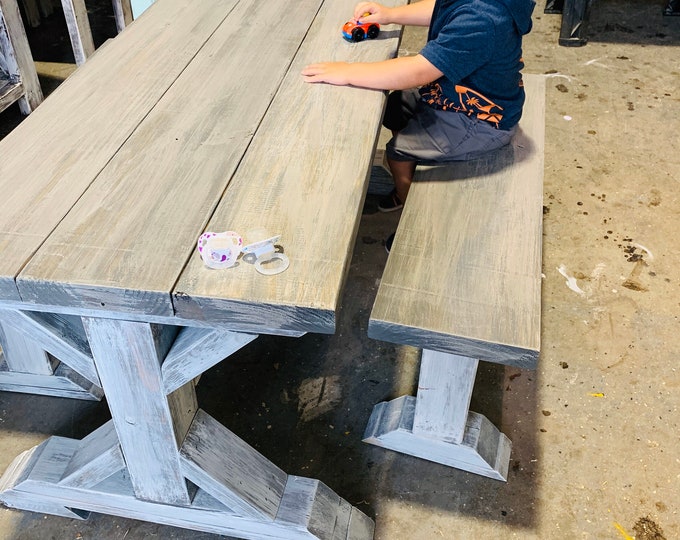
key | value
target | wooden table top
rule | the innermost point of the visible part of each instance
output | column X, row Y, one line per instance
column 195, row 118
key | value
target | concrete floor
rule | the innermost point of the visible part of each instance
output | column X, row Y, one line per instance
column 595, row 429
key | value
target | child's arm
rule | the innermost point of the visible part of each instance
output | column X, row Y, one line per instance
column 416, row 14
column 395, row 74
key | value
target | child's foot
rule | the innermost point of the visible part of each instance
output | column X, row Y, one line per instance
column 390, row 203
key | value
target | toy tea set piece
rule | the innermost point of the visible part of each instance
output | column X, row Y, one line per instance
column 356, row 31
column 222, row 250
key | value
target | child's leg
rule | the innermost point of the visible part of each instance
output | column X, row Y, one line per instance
column 402, row 174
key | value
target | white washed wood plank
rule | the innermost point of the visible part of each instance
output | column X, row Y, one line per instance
column 484, row 450
column 230, row 470
column 23, row 355
column 18, row 472
column 63, row 336
column 197, row 349
column 312, row 504
column 444, row 390
column 299, row 156
column 464, row 274
column 86, row 120
column 183, row 408
column 128, row 363
column 79, row 31
column 9, row 92
column 245, row 326
column 63, row 383
column 360, row 525
column 32, row 482
column 131, row 260
column 98, row 457
column 122, row 12
column 14, row 43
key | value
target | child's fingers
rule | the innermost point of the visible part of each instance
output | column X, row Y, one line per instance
column 364, row 11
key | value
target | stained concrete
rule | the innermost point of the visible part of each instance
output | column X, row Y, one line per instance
column 595, row 428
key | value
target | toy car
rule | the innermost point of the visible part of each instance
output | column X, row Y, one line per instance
column 356, row 31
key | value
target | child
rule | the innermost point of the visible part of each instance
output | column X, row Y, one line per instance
column 460, row 97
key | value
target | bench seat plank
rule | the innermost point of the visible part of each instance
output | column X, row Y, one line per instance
column 54, row 154
column 310, row 190
column 137, row 224
column 464, row 274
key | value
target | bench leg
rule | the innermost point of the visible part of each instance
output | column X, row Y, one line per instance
column 437, row 425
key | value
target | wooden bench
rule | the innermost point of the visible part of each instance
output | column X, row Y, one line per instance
column 463, row 282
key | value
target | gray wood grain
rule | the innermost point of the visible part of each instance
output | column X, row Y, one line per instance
column 230, row 470
column 76, row 132
column 304, row 177
column 127, row 239
column 98, row 457
column 464, row 273
column 196, row 350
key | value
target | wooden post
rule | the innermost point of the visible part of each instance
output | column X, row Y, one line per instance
column 18, row 59
column 437, row 425
column 78, row 29
column 122, row 11
column 128, row 360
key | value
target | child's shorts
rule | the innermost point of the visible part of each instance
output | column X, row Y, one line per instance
column 429, row 135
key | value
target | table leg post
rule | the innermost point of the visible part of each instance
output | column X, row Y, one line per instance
column 437, row 425
column 133, row 385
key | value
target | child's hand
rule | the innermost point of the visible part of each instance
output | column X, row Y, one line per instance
column 377, row 13
column 328, row 72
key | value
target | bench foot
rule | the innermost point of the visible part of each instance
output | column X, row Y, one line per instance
column 484, row 450
column 437, row 425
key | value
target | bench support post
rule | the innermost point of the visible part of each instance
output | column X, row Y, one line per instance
column 437, row 425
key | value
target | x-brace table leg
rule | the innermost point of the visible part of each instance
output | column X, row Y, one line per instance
column 162, row 459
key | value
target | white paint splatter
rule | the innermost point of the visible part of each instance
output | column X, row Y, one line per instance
column 571, row 281
column 596, row 62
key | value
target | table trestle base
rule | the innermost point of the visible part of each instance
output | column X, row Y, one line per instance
column 437, row 425
column 38, row 480
column 183, row 469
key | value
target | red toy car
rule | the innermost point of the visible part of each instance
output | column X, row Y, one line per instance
column 356, row 31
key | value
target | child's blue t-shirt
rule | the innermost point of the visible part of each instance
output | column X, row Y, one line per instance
column 477, row 44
